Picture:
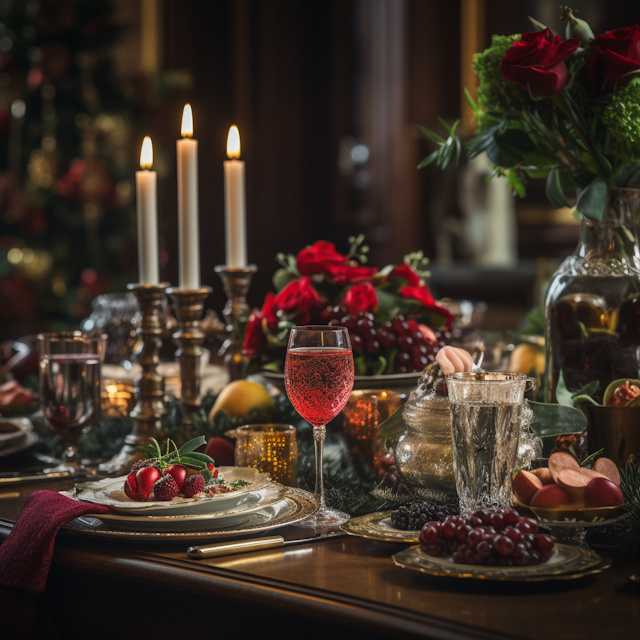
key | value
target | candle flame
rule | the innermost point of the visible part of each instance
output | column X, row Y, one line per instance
column 187, row 122
column 146, row 154
column 233, row 143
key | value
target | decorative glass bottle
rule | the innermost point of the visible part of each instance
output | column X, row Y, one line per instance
column 592, row 306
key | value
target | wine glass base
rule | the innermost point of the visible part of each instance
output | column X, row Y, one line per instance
column 323, row 517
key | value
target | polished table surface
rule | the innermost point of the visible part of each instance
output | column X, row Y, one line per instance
column 345, row 587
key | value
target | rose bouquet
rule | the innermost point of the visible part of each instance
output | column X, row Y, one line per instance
column 567, row 110
column 394, row 323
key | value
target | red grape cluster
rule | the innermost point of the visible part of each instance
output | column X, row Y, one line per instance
column 400, row 337
column 499, row 538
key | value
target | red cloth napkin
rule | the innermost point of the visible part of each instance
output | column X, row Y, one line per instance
column 25, row 556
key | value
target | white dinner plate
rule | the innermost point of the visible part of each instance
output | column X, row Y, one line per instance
column 110, row 493
column 272, row 503
column 13, row 430
column 300, row 505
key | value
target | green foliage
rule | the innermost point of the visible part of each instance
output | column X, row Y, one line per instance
column 622, row 119
column 496, row 94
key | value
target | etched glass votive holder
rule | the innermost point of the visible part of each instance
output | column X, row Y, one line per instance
column 271, row 448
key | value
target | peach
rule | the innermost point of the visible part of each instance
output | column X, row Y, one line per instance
column 551, row 495
column 601, row 492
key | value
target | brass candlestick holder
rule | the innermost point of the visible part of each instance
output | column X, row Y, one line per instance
column 235, row 282
column 148, row 386
column 189, row 307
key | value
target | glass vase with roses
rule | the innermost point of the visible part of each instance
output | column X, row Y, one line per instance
column 394, row 323
column 568, row 110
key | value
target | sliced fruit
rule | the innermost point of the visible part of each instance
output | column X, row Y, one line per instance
column 601, row 492
column 621, row 392
column 590, row 474
column 525, row 485
column 608, row 468
column 573, row 482
column 543, row 474
column 560, row 461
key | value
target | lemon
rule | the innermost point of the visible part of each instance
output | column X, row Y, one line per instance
column 241, row 396
column 526, row 358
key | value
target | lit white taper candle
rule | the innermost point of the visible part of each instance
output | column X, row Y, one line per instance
column 188, row 236
column 147, row 201
column 236, row 230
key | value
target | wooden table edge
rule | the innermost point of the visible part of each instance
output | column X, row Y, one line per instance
column 266, row 593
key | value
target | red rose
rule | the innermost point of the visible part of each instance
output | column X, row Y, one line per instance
column 255, row 338
column 405, row 272
column 318, row 258
column 615, row 54
column 536, row 62
column 298, row 299
column 421, row 294
column 347, row 274
column 361, row 297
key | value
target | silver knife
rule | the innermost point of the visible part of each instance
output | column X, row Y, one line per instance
column 14, row 478
column 258, row 544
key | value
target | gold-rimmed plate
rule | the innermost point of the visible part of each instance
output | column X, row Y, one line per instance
column 377, row 526
column 297, row 505
column 566, row 563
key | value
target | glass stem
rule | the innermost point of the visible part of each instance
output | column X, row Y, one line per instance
column 70, row 455
column 318, row 439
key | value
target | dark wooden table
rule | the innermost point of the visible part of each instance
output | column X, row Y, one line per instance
column 345, row 587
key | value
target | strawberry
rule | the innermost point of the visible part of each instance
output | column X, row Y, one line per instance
column 131, row 487
column 145, row 479
column 178, row 472
column 193, row 485
column 166, row 489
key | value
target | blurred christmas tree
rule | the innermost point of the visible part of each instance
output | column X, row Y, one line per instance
column 67, row 211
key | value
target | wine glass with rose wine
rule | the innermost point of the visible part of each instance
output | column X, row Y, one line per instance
column 69, row 376
column 318, row 374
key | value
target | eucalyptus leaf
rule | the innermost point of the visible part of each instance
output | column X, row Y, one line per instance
column 194, row 462
column 593, row 199
column 192, row 445
column 554, row 189
column 394, row 426
column 203, row 457
column 563, row 395
column 556, row 419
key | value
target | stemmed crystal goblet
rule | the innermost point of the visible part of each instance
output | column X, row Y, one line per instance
column 318, row 376
column 69, row 374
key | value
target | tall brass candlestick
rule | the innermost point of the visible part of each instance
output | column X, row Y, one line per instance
column 235, row 282
column 189, row 307
column 149, row 385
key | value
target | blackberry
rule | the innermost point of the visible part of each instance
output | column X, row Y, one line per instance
column 412, row 517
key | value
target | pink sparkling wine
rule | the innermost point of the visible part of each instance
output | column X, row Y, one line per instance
column 319, row 382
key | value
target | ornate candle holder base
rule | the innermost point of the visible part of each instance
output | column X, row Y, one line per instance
column 149, row 385
column 235, row 282
column 189, row 307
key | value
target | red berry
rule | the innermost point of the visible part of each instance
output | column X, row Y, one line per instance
column 504, row 546
column 513, row 534
column 533, row 524
column 178, row 472
column 145, row 479
column 475, row 536
column 497, row 520
column 429, row 535
column 483, row 549
column 449, row 529
column 511, row 517
column 166, row 489
column 463, row 531
column 543, row 543
column 130, row 487
column 193, row 485
column 222, row 451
